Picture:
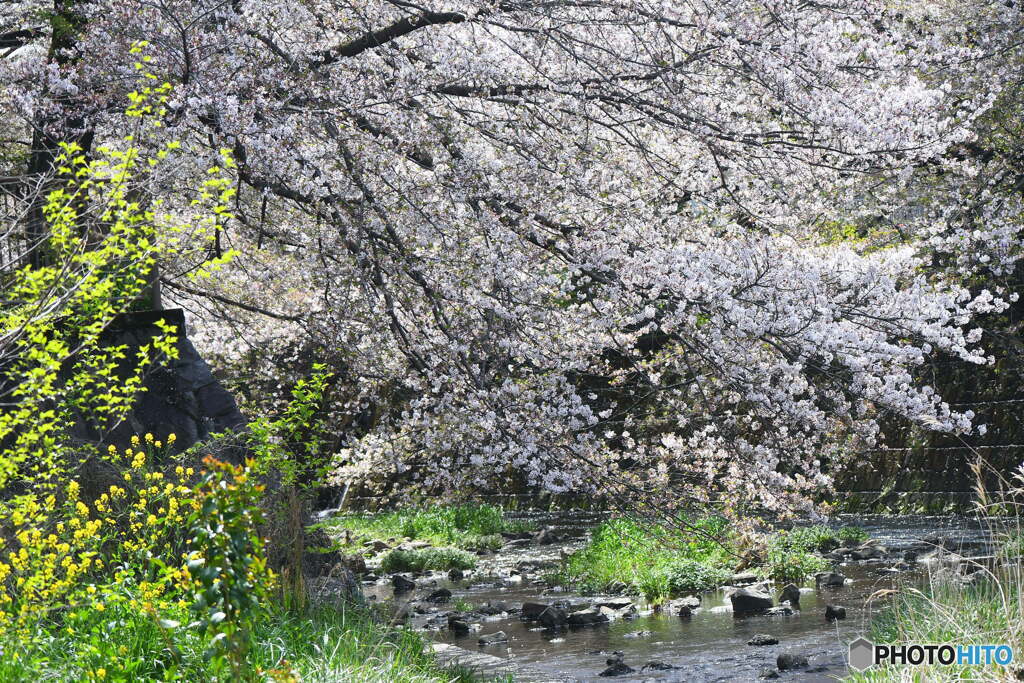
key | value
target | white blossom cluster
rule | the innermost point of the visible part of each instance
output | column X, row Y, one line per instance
column 591, row 246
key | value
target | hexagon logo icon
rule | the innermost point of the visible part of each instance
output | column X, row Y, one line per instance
column 862, row 654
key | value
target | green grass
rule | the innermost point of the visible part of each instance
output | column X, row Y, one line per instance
column 426, row 558
column 651, row 560
column 462, row 526
column 944, row 612
column 659, row 562
column 460, row 605
column 321, row 644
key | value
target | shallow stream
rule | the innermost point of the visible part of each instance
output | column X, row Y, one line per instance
column 709, row 646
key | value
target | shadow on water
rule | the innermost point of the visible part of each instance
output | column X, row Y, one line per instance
column 709, row 646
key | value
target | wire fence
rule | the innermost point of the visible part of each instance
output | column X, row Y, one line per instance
column 14, row 246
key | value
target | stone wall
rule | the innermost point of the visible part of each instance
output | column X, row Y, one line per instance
column 929, row 470
column 182, row 396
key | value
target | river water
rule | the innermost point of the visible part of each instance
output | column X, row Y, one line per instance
column 709, row 646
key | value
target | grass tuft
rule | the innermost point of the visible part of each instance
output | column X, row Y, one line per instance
column 427, row 558
column 651, row 560
column 462, row 526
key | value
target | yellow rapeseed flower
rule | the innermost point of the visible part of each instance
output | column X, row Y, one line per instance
column 172, row 437
column 135, row 439
column 149, row 438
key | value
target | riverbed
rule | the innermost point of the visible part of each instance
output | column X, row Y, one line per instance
column 710, row 645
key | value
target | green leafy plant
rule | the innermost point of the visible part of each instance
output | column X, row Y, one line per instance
column 787, row 565
column 292, row 447
column 230, row 580
column 852, row 534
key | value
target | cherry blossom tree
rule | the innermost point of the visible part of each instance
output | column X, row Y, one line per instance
column 680, row 250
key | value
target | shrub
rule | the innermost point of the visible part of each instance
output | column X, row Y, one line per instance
column 786, row 565
column 228, row 571
column 136, row 559
column 691, row 576
column 653, row 560
column 852, row 534
column 427, row 558
column 809, row 538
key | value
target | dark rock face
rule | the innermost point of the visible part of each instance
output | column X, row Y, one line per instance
column 339, row 589
column 747, row 601
column 788, row 660
column 182, row 396
column 869, row 551
column 546, row 537
column 458, row 625
column 532, row 610
column 553, row 617
column 763, row 639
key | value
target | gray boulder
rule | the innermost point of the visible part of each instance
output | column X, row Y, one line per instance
column 402, row 584
column 553, row 618
column 763, row 639
column 617, row 669
column 834, row 612
column 830, row 579
column 587, row 617
column 493, row 639
column 791, row 594
column 789, row 660
column 747, row 601
column 532, row 610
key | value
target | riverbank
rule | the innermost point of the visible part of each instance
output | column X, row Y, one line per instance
column 961, row 601
column 322, row 644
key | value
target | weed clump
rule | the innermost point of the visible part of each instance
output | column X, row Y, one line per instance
column 427, row 558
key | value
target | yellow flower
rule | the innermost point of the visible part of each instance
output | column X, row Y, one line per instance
column 171, row 438
column 112, row 449
column 135, row 439
column 99, row 607
column 149, row 438
column 101, row 673
column 159, row 444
